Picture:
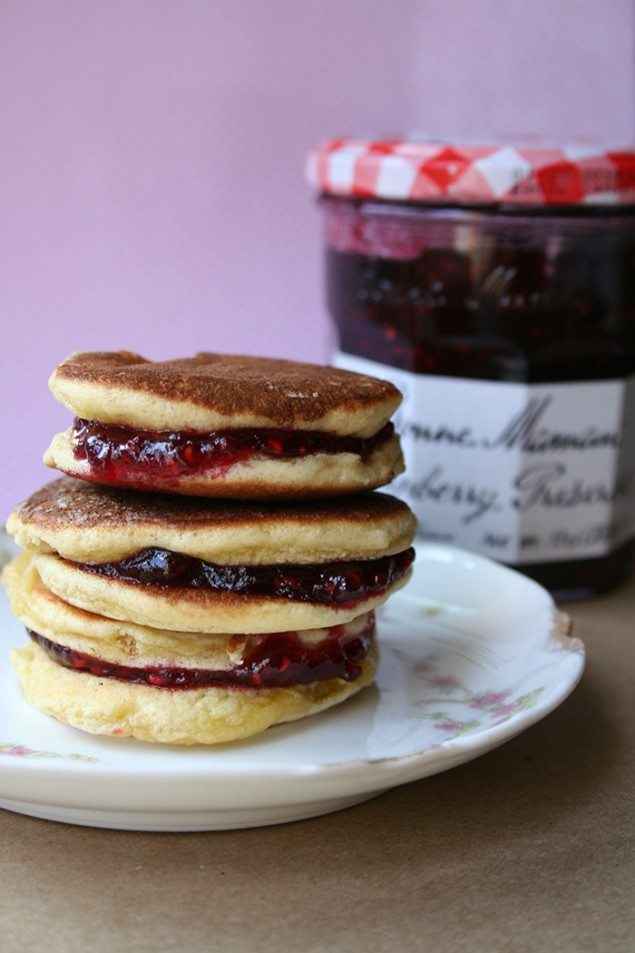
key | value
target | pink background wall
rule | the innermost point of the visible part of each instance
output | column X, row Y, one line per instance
column 152, row 195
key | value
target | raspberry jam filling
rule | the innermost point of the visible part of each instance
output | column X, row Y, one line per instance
column 121, row 453
column 337, row 583
column 278, row 660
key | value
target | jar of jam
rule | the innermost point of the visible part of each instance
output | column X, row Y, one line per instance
column 495, row 286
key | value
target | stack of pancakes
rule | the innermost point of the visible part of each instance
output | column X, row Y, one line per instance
column 237, row 590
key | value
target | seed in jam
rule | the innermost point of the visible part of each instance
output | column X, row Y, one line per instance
column 336, row 583
column 279, row 659
column 121, row 454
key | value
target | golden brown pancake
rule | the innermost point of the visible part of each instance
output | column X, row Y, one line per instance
column 200, row 716
column 199, row 610
column 311, row 477
column 219, row 391
column 88, row 523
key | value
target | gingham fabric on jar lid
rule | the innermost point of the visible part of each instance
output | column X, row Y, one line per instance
column 584, row 173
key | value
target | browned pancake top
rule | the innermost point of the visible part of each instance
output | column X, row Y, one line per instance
column 230, row 384
column 76, row 503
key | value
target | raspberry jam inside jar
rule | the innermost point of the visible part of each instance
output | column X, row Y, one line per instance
column 496, row 288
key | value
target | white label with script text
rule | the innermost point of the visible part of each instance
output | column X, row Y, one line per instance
column 523, row 473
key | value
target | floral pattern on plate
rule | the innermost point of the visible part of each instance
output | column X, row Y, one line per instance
column 497, row 705
column 23, row 751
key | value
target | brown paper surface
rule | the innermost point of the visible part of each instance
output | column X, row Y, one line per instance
column 528, row 848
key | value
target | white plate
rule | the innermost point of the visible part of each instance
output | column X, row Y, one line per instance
column 472, row 654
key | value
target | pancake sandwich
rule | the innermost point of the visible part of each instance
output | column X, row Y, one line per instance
column 197, row 565
column 127, row 680
column 225, row 426
column 238, row 589
column 185, row 620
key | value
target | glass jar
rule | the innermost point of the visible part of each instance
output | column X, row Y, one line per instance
column 496, row 288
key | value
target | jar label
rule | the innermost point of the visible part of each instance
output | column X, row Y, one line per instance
column 524, row 473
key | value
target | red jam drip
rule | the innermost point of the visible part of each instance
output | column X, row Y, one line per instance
column 278, row 660
column 121, row 453
column 335, row 584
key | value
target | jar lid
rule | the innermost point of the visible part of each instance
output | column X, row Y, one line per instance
column 583, row 173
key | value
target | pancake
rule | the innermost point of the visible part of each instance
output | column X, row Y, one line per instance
column 180, row 688
column 211, row 392
column 198, row 610
column 94, row 524
column 225, row 426
column 315, row 476
column 200, row 716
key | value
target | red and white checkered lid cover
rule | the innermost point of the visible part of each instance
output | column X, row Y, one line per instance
column 584, row 173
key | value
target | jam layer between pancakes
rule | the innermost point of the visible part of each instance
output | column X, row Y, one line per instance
column 277, row 660
column 336, row 584
column 121, row 454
